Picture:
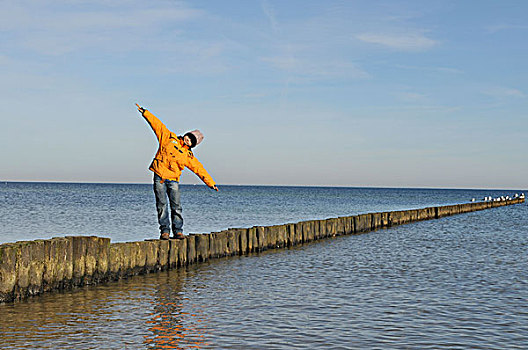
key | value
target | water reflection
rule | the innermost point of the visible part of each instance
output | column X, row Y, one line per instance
column 151, row 310
column 170, row 326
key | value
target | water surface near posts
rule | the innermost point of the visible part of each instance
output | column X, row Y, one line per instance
column 30, row 268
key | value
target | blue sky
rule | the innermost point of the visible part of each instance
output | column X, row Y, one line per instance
column 348, row 93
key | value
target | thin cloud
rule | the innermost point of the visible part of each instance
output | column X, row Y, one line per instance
column 44, row 29
column 412, row 97
column 270, row 14
column 500, row 27
column 448, row 70
column 405, row 42
column 282, row 62
column 94, row 15
column 195, row 57
column 255, row 95
column 304, row 70
column 502, row 92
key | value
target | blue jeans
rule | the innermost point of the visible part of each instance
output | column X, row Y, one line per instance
column 168, row 189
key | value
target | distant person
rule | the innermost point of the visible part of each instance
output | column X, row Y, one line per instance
column 173, row 155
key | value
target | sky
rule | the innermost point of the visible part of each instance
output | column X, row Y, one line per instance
column 324, row 93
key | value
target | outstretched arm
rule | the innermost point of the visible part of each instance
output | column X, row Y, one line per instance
column 196, row 167
column 157, row 126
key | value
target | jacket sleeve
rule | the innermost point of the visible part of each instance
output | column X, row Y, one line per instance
column 157, row 126
column 196, row 167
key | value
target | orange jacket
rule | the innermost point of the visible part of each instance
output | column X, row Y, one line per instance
column 173, row 154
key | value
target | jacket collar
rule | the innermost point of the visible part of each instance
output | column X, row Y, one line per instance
column 182, row 144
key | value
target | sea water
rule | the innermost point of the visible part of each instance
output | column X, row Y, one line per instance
column 127, row 212
column 459, row 282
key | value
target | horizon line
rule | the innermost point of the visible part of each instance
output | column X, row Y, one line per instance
column 264, row 185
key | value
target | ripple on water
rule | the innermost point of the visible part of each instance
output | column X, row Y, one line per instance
column 441, row 284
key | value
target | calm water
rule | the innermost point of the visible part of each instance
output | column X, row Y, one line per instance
column 127, row 212
column 459, row 282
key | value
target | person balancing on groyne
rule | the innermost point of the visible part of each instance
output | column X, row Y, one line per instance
column 174, row 154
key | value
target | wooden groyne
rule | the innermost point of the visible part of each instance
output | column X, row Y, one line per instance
column 30, row 268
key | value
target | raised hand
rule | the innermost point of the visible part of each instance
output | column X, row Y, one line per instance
column 140, row 109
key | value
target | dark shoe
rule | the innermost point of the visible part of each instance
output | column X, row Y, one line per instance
column 165, row 235
column 179, row 235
